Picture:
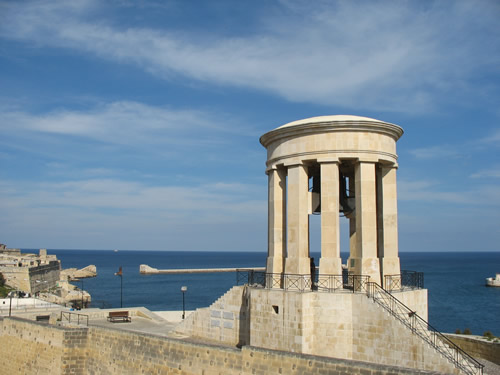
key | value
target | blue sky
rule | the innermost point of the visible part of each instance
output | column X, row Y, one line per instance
column 136, row 124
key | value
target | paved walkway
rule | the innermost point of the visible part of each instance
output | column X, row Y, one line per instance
column 162, row 323
column 490, row 368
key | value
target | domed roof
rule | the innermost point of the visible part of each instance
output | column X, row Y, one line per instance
column 335, row 118
column 336, row 123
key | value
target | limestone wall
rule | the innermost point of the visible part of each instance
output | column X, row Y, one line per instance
column 340, row 325
column 478, row 347
column 225, row 321
column 31, row 348
column 379, row 337
column 416, row 300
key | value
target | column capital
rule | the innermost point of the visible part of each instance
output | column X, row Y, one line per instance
column 389, row 166
column 294, row 163
column 274, row 167
column 328, row 160
column 357, row 162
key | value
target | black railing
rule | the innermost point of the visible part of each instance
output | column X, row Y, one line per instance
column 74, row 317
column 302, row 283
column 405, row 280
column 420, row 327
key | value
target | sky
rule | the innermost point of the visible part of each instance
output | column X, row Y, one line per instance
column 136, row 124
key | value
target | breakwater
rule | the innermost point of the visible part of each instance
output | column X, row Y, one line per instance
column 144, row 269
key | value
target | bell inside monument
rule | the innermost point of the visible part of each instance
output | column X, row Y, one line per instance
column 346, row 189
column 347, row 201
column 315, row 190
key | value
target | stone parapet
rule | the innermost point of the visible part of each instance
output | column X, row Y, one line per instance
column 33, row 348
column 477, row 346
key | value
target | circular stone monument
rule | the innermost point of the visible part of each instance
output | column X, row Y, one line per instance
column 333, row 166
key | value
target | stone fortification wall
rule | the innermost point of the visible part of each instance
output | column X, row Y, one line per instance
column 25, row 278
column 47, row 276
column 33, row 348
column 478, row 347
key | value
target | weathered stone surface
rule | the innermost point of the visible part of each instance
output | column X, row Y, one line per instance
column 74, row 273
column 32, row 348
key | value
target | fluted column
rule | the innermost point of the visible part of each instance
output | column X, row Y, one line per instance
column 388, row 212
column 276, row 220
column 366, row 221
column 330, row 262
column 297, row 260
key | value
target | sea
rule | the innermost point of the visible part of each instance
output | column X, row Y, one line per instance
column 458, row 297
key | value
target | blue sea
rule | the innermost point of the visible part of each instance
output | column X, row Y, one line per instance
column 458, row 298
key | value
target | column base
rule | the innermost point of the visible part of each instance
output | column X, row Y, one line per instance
column 330, row 266
column 365, row 267
column 297, row 274
column 275, row 265
column 389, row 266
column 371, row 267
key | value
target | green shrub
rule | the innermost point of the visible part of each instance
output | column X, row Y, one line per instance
column 4, row 290
column 467, row 331
column 458, row 332
column 489, row 335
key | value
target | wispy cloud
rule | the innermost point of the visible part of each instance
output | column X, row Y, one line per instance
column 380, row 56
column 436, row 152
column 107, row 207
column 123, row 123
column 493, row 172
column 486, row 196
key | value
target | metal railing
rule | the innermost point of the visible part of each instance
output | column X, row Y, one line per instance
column 74, row 317
column 405, row 280
column 420, row 327
column 303, row 283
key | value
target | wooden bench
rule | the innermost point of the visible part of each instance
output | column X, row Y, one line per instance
column 43, row 318
column 122, row 316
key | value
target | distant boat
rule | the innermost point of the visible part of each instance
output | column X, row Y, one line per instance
column 115, row 250
column 490, row 281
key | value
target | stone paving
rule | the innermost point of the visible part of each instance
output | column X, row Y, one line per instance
column 490, row 368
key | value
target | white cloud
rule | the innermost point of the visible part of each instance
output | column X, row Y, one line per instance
column 436, row 152
column 193, row 218
column 382, row 55
column 129, row 124
column 486, row 196
column 493, row 172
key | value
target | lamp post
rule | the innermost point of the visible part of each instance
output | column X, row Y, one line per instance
column 120, row 273
column 183, row 290
column 10, row 306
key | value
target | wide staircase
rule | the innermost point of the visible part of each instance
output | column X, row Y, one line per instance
column 423, row 329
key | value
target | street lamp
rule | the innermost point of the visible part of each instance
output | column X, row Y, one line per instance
column 183, row 290
column 120, row 273
column 82, row 292
column 10, row 306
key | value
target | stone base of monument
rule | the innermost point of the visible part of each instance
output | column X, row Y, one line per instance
column 339, row 325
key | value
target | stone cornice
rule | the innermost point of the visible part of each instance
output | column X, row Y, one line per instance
column 317, row 127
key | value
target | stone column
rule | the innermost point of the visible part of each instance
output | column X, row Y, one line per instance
column 276, row 220
column 389, row 258
column 330, row 262
column 297, row 260
column 353, row 252
column 366, row 221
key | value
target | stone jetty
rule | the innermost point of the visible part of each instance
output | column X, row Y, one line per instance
column 147, row 270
